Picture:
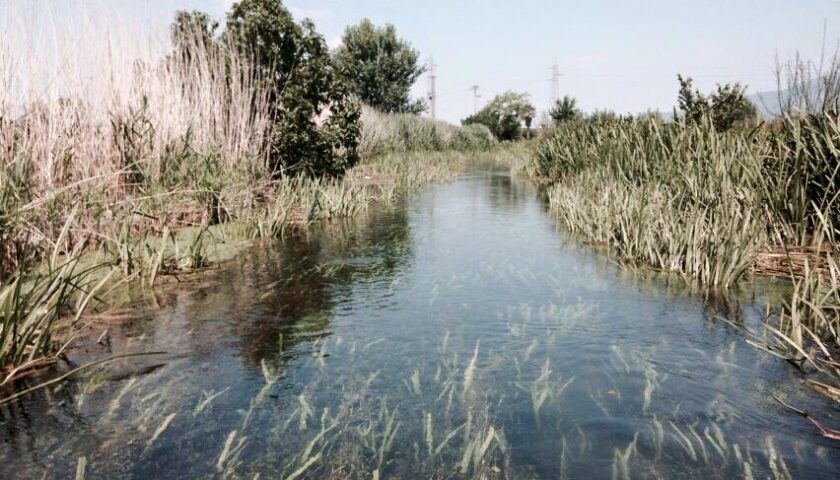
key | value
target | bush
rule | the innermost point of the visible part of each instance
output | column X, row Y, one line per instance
column 564, row 110
column 505, row 116
column 382, row 133
column 727, row 106
column 315, row 121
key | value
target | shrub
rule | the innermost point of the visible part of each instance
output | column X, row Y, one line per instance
column 564, row 110
column 505, row 116
column 315, row 121
column 727, row 106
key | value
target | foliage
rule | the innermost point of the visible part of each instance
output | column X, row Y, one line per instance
column 505, row 115
column 380, row 67
column 686, row 197
column 727, row 106
column 383, row 133
column 673, row 196
column 189, row 28
column 316, row 122
column 564, row 110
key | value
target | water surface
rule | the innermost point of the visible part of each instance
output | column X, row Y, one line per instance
column 456, row 334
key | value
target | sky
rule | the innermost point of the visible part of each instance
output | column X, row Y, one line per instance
column 616, row 55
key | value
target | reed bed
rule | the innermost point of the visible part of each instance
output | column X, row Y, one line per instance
column 145, row 160
column 676, row 197
column 716, row 207
column 103, row 150
column 94, row 129
column 384, row 133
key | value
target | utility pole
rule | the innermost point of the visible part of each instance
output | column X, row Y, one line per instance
column 555, row 83
column 476, row 96
column 432, row 89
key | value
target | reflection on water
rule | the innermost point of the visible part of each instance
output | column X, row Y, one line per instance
column 458, row 334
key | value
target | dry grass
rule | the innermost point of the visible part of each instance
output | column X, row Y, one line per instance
column 150, row 157
column 83, row 124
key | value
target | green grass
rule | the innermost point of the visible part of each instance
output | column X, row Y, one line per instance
column 138, row 240
column 387, row 133
column 676, row 197
column 715, row 207
column 31, row 306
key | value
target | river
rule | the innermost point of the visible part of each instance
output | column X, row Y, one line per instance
column 458, row 333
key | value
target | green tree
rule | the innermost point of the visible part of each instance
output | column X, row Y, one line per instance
column 564, row 110
column 380, row 67
column 727, row 106
column 730, row 106
column 505, row 115
column 316, row 121
column 192, row 28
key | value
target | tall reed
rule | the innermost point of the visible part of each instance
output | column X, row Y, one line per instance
column 715, row 206
column 141, row 139
column 674, row 196
column 90, row 125
column 385, row 133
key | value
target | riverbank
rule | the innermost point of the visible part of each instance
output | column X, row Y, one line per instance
column 346, row 350
column 129, row 160
column 146, row 249
column 715, row 207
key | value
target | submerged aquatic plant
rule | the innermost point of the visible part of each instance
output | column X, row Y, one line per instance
column 544, row 388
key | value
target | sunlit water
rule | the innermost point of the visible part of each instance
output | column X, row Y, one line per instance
column 458, row 334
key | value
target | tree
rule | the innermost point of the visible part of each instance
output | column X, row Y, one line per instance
column 564, row 110
column 380, row 67
column 316, row 122
column 730, row 106
column 192, row 28
column 505, row 115
column 727, row 106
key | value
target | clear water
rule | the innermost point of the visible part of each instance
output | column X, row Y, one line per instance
column 457, row 334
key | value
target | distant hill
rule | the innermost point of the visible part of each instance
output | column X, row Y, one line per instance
column 768, row 102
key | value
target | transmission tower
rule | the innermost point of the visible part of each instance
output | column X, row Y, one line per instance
column 476, row 96
column 555, row 83
column 432, row 88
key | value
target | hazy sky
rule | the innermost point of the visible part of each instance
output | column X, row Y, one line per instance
column 618, row 55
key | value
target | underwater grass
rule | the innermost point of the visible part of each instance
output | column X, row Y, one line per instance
column 451, row 429
column 165, row 162
column 717, row 208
